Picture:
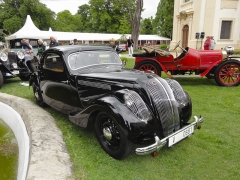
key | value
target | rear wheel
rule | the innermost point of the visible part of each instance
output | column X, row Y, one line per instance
column 149, row 66
column 38, row 95
column 1, row 79
column 111, row 137
column 228, row 73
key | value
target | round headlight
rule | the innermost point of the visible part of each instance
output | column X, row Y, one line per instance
column 20, row 54
column 229, row 50
column 3, row 56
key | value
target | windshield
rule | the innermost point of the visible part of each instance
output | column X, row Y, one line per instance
column 81, row 60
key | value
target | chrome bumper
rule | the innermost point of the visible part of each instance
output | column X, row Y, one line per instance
column 161, row 143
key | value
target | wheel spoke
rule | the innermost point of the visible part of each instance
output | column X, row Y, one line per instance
column 229, row 74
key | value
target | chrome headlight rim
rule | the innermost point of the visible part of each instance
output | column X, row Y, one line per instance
column 3, row 56
column 136, row 104
column 20, row 55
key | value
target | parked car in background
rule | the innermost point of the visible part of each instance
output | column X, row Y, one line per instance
column 15, row 45
column 217, row 64
column 124, row 47
column 16, row 64
column 129, row 110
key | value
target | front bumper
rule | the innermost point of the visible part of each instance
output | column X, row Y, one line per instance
column 161, row 143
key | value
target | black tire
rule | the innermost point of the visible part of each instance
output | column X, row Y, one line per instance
column 228, row 73
column 1, row 79
column 38, row 95
column 111, row 137
column 147, row 66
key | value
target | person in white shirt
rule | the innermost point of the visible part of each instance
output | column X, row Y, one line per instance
column 213, row 43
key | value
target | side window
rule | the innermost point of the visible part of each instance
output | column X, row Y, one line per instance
column 53, row 62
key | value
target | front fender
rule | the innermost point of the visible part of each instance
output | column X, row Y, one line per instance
column 210, row 68
column 127, row 121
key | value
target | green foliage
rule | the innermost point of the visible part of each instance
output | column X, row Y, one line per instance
column 13, row 24
column 67, row 22
column 236, row 52
column 106, row 16
column 163, row 22
column 163, row 46
column 147, row 26
column 13, row 15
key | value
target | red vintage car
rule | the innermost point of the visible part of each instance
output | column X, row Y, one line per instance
column 217, row 64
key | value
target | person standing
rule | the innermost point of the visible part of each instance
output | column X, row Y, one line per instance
column 213, row 43
column 130, row 43
column 41, row 47
column 75, row 42
column 53, row 42
column 26, row 46
column 207, row 43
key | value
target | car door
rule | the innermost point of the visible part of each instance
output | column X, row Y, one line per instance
column 56, row 87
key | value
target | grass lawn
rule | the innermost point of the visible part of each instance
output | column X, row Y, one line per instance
column 211, row 153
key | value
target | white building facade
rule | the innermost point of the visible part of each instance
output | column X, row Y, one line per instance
column 218, row 18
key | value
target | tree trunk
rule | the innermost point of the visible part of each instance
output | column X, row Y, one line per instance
column 136, row 23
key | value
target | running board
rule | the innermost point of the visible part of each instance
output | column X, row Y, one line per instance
column 186, row 76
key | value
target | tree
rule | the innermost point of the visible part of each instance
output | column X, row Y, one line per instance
column 146, row 26
column 163, row 22
column 67, row 22
column 107, row 16
column 84, row 15
column 136, row 23
column 14, row 12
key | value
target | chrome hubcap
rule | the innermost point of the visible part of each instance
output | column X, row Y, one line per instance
column 107, row 133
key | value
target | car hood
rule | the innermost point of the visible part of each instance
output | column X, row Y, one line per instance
column 131, row 76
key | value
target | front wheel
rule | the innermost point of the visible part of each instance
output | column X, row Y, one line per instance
column 228, row 73
column 149, row 66
column 111, row 137
column 38, row 95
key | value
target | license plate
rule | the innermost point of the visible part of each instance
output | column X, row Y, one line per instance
column 180, row 135
column 15, row 72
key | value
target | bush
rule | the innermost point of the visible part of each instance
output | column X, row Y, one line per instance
column 236, row 51
column 163, row 46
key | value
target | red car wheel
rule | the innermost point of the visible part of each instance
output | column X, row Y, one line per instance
column 228, row 73
column 149, row 66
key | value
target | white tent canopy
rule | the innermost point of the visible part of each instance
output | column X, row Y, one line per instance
column 30, row 31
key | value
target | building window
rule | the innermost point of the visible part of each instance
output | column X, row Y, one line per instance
column 226, row 30
column 186, row 1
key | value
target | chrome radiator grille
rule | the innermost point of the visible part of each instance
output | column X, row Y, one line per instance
column 12, row 57
column 165, row 104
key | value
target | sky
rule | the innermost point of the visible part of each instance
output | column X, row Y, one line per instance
column 150, row 6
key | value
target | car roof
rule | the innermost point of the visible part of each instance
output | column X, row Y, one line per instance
column 74, row 48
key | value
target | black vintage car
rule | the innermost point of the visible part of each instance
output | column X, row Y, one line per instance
column 130, row 110
column 16, row 64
